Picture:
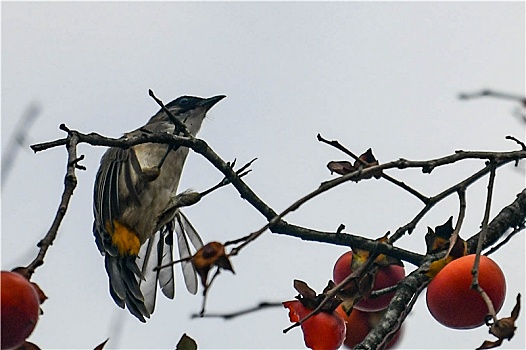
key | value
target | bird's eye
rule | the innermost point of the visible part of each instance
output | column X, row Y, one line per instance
column 184, row 102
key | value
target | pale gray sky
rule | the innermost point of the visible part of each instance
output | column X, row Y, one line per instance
column 370, row 74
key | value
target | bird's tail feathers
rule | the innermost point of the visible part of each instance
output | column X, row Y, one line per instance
column 124, row 284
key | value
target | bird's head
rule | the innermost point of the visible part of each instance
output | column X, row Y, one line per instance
column 190, row 110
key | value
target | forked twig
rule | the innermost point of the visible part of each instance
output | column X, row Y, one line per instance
column 337, row 145
column 70, row 182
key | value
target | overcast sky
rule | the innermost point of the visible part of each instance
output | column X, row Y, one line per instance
column 380, row 75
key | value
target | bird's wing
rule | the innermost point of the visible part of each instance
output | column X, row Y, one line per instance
column 106, row 206
column 123, row 272
column 185, row 232
column 157, row 251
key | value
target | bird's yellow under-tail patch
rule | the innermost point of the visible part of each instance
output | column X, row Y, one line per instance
column 124, row 238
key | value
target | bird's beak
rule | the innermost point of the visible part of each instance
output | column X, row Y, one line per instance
column 210, row 102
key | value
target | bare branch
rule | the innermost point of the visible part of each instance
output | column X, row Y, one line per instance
column 70, row 182
column 491, row 93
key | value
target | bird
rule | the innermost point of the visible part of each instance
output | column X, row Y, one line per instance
column 136, row 209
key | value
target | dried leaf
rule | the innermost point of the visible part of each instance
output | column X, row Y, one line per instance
column 304, row 289
column 490, row 344
column 42, row 297
column 186, row 343
column 309, row 299
column 439, row 239
column 341, row 167
column 459, row 248
column 344, row 167
column 446, row 229
column 210, row 255
column 347, row 305
column 101, row 345
column 504, row 328
column 516, row 308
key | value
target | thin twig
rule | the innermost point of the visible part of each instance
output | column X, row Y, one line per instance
column 378, row 293
column 241, row 172
column 207, row 289
column 475, row 271
column 519, row 142
column 171, row 263
column 228, row 316
column 179, row 125
column 461, row 215
column 491, row 93
column 505, row 240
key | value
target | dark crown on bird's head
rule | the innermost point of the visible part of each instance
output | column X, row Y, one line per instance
column 186, row 103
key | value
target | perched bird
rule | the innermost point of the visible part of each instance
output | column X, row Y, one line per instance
column 136, row 210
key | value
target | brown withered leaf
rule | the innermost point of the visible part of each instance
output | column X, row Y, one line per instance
column 186, row 343
column 304, row 289
column 330, row 285
column 446, row 229
column 458, row 247
column 101, row 345
column 308, row 297
column 348, row 305
column 437, row 239
column 341, row 167
column 440, row 238
column 490, row 344
column 504, row 328
column 42, row 297
column 345, row 167
column 210, row 255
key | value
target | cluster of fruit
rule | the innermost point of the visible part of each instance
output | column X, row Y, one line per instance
column 450, row 300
